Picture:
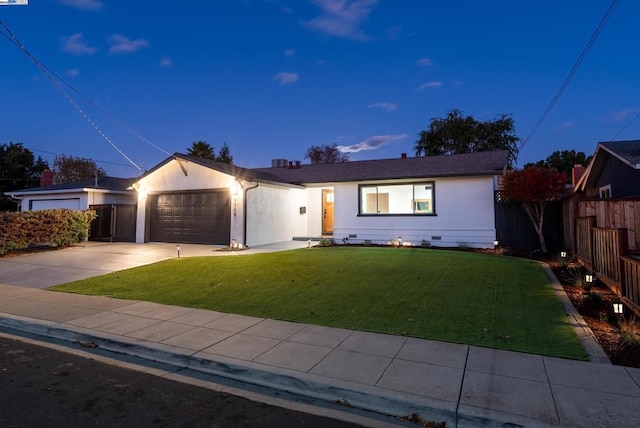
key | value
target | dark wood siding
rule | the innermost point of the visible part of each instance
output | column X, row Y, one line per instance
column 190, row 217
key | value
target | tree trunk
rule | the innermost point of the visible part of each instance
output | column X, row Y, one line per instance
column 535, row 211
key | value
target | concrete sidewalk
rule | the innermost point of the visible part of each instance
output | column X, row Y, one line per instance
column 443, row 382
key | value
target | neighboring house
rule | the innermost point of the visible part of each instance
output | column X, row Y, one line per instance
column 112, row 198
column 79, row 195
column 614, row 171
column 439, row 200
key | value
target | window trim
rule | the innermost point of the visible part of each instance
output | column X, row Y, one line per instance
column 412, row 201
column 602, row 192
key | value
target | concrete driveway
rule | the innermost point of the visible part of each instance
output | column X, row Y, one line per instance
column 88, row 259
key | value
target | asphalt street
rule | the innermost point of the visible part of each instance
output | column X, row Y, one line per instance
column 40, row 386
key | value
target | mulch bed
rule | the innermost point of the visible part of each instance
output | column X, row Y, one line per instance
column 595, row 305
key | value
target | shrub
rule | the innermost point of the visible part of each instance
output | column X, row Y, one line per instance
column 325, row 242
column 59, row 227
column 630, row 333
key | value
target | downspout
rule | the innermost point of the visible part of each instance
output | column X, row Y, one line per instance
column 244, row 206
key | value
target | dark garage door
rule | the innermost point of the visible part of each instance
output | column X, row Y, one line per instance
column 194, row 217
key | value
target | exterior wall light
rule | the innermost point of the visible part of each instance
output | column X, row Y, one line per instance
column 178, row 247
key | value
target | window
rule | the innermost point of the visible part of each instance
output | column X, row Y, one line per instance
column 605, row 191
column 397, row 199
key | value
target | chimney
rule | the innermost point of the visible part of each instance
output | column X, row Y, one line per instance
column 403, row 155
column 46, row 178
column 290, row 165
column 576, row 173
column 297, row 164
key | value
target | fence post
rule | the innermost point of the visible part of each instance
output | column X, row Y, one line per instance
column 623, row 251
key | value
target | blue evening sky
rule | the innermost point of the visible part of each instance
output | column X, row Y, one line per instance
column 273, row 77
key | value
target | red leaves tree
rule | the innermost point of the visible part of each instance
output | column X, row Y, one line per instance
column 534, row 187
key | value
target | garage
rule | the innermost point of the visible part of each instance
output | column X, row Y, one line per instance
column 50, row 204
column 201, row 217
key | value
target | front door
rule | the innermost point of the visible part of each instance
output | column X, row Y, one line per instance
column 327, row 212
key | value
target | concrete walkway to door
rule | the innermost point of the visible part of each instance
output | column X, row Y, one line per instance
column 88, row 259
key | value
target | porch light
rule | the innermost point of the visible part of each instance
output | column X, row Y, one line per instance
column 588, row 278
column 178, row 247
column 618, row 308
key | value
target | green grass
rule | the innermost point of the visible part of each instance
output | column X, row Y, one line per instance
column 456, row 296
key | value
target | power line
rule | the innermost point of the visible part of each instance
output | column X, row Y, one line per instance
column 573, row 71
column 49, row 74
column 626, row 126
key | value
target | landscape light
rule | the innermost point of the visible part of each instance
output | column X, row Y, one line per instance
column 495, row 243
column 589, row 278
column 563, row 254
column 618, row 308
column 178, row 249
column 399, row 241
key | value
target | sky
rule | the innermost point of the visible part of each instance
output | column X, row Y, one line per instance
column 272, row 78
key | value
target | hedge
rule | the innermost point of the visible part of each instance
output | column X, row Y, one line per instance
column 59, row 227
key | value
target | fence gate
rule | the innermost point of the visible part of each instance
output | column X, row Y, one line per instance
column 113, row 223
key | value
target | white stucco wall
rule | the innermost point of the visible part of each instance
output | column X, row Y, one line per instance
column 171, row 178
column 464, row 216
column 273, row 214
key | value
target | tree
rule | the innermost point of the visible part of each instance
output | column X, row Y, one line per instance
column 67, row 169
column 563, row 161
column 224, row 155
column 456, row 134
column 535, row 187
column 202, row 149
column 19, row 169
column 328, row 153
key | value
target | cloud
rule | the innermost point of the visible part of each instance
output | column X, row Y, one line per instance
column 393, row 33
column 617, row 116
column 83, row 4
column 284, row 77
column 565, row 125
column 120, row 44
column 425, row 62
column 290, row 52
column 75, row 44
column 384, row 106
column 342, row 18
column 372, row 143
column 429, row 85
column 166, row 62
column 73, row 72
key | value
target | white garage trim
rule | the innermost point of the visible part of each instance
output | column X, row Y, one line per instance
column 48, row 204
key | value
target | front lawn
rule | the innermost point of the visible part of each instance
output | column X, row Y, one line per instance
column 457, row 296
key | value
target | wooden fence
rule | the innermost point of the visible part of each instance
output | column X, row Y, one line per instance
column 605, row 252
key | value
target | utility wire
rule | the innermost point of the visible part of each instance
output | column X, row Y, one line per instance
column 625, row 127
column 48, row 73
column 573, row 71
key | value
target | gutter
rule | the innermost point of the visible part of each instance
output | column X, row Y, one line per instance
column 244, row 206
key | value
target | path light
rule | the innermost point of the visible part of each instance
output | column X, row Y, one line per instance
column 495, row 245
column 588, row 278
column 308, row 243
column 618, row 308
column 399, row 241
column 563, row 254
column 234, row 244
column 178, row 249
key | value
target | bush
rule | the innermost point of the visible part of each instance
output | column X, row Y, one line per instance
column 59, row 227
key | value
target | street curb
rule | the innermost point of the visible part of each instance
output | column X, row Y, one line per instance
column 364, row 397
column 341, row 392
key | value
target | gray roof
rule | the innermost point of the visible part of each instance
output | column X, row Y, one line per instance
column 473, row 164
column 627, row 151
column 104, row 183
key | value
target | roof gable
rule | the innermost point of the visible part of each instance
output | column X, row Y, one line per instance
column 628, row 152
